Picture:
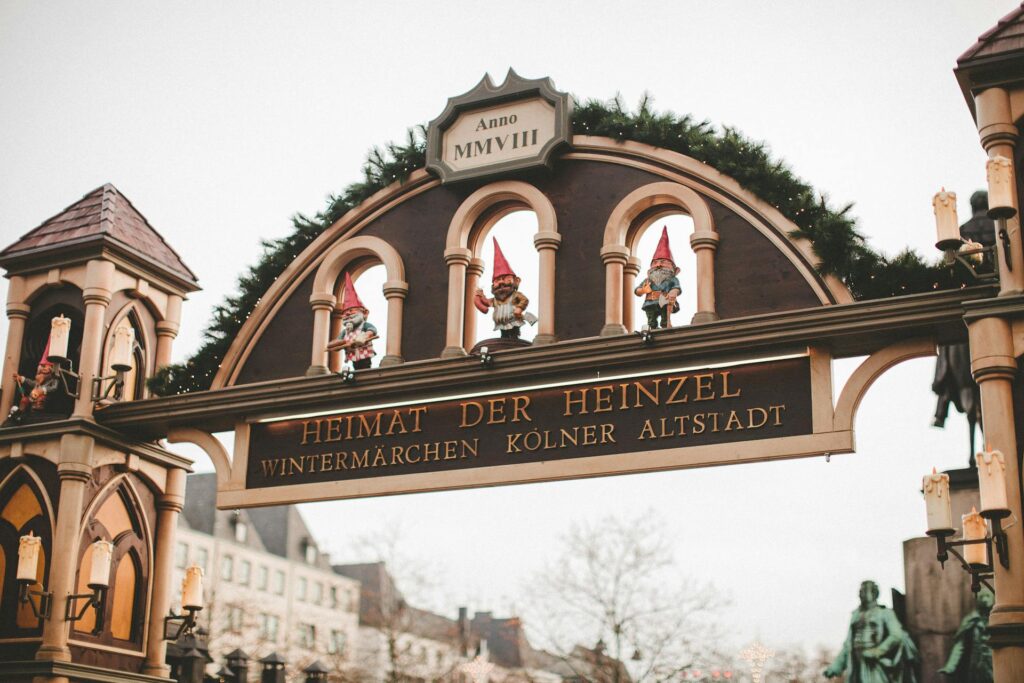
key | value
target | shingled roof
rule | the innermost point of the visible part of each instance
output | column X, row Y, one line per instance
column 103, row 215
column 1004, row 38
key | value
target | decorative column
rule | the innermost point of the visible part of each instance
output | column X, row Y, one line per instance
column 169, row 505
column 99, row 277
column 473, row 272
column 322, row 305
column 74, row 471
column 614, row 257
column 457, row 259
column 999, row 137
column 547, row 243
column 17, row 314
column 994, row 368
column 167, row 330
column 704, row 245
column 630, row 272
column 395, row 292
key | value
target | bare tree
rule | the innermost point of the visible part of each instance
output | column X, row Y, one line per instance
column 616, row 582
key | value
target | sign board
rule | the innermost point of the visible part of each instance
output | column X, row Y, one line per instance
column 496, row 129
column 662, row 419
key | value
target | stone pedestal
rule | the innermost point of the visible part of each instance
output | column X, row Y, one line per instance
column 938, row 599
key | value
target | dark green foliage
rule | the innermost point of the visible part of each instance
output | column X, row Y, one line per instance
column 833, row 234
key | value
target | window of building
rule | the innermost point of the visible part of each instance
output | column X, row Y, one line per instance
column 307, row 636
column 268, row 626
column 279, row 582
column 262, row 575
column 202, row 558
column 234, row 619
column 318, row 593
column 181, row 555
column 227, row 567
column 310, row 552
column 300, row 589
column 334, row 596
column 244, row 571
column 336, row 645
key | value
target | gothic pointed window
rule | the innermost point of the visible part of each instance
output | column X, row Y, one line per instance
column 134, row 378
column 22, row 512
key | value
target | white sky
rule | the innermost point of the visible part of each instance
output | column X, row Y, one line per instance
column 220, row 120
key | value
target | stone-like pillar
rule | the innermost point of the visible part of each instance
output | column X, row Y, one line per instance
column 630, row 272
column 17, row 314
column 457, row 259
column 334, row 357
column 615, row 257
column 994, row 367
column 99, row 277
column 74, row 471
column 167, row 330
column 169, row 505
column 547, row 243
column 473, row 272
column 704, row 245
column 322, row 305
column 999, row 137
column 395, row 292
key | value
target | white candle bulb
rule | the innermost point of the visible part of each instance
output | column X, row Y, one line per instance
column 60, row 334
column 28, row 557
column 1000, row 187
column 936, row 497
column 192, row 588
column 99, row 572
column 483, row 350
column 992, row 482
column 946, row 224
column 121, row 350
column 974, row 530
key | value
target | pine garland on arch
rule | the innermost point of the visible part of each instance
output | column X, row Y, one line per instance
column 832, row 232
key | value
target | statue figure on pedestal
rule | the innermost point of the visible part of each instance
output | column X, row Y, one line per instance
column 661, row 286
column 970, row 658
column 877, row 649
column 35, row 397
column 508, row 304
column 357, row 334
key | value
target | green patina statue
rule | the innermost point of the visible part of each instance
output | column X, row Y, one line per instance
column 970, row 659
column 877, row 649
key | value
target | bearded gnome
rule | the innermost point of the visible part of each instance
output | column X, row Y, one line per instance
column 661, row 286
column 357, row 334
column 33, row 393
column 509, row 303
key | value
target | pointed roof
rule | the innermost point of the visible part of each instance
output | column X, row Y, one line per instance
column 996, row 59
column 101, row 216
column 1005, row 37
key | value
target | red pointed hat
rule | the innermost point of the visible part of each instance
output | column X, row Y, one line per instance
column 45, row 360
column 663, row 250
column 501, row 267
column 350, row 299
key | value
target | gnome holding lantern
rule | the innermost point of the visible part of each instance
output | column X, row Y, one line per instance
column 661, row 286
column 34, row 393
column 357, row 334
column 508, row 303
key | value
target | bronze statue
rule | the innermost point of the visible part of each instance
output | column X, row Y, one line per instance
column 877, row 649
column 970, row 659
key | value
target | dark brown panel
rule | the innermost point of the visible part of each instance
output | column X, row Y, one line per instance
column 284, row 347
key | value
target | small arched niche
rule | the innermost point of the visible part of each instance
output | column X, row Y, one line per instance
column 129, row 318
column 513, row 228
column 368, row 277
column 642, row 245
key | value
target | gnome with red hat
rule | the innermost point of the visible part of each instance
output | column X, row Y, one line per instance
column 357, row 335
column 661, row 286
column 33, row 393
column 508, row 304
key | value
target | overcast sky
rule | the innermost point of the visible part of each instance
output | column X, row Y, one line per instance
column 221, row 120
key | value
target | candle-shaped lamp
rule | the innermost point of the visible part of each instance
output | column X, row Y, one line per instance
column 192, row 588
column 936, row 499
column 28, row 558
column 121, row 350
column 946, row 224
column 975, row 530
column 60, row 333
column 992, row 483
column 1000, row 187
column 99, row 572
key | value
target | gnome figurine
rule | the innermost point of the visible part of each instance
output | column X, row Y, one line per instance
column 509, row 303
column 661, row 286
column 357, row 335
column 33, row 394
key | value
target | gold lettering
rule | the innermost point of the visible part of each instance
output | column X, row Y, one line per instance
column 340, row 460
column 408, row 454
column 607, row 431
column 397, row 419
column 569, row 401
column 512, row 445
column 680, row 382
column 647, row 432
column 603, row 399
column 427, row 452
column 698, row 423
column 295, row 464
column 589, row 435
column 625, row 403
column 465, row 414
column 306, row 432
column 396, row 455
column 655, row 397
column 704, row 386
column 750, row 418
column 526, row 440
column 269, row 467
column 378, row 456
column 733, row 420
column 416, row 413
column 496, row 408
column 333, row 429
column 449, row 450
column 725, row 385
column 367, row 428
column 519, row 406
column 325, row 463
column 567, row 437
column 777, row 410
column 358, row 462
column 472, row 450
column 714, row 421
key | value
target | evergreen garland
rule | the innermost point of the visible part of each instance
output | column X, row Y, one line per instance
column 832, row 232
